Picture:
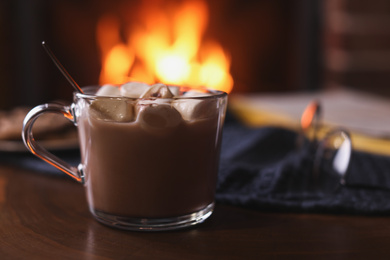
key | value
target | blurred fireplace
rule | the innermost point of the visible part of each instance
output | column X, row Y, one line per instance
column 273, row 44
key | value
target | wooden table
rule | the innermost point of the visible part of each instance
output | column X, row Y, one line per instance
column 46, row 217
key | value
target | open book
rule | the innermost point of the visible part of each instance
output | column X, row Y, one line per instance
column 366, row 116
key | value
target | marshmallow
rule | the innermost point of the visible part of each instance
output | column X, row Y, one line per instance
column 158, row 91
column 174, row 90
column 108, row 91
column 134, row 89
column 158, row 118
column 113, row 109
column 192, row 109
column 195, row 93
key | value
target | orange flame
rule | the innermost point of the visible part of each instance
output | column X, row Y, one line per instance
column 164, row 48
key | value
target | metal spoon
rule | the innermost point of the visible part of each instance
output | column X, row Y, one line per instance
column 61, row 68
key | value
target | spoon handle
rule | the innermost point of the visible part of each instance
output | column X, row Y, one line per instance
column 61, row 68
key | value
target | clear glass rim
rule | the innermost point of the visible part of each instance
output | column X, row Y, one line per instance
column 89, row 93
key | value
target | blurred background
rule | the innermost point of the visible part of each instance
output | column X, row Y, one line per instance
column 268, row 45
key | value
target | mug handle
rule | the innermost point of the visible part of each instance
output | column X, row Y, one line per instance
column 38, row 150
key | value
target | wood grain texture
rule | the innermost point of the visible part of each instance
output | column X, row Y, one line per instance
column 46, row 217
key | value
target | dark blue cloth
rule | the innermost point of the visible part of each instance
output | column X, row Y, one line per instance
column 263, row 169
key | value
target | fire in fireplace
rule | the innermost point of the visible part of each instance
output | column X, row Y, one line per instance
column 163, row 46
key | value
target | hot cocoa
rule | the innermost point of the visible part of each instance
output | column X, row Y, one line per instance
column 155, row 156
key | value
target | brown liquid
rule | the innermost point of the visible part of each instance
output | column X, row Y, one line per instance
column 134, row 173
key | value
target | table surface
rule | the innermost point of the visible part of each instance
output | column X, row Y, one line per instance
column 46, row 217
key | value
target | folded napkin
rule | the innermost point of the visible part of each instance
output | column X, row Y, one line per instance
column 262, row 168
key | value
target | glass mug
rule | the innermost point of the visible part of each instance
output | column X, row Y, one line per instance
column 144, row 165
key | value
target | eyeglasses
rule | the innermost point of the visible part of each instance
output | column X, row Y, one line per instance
column 330, row 149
